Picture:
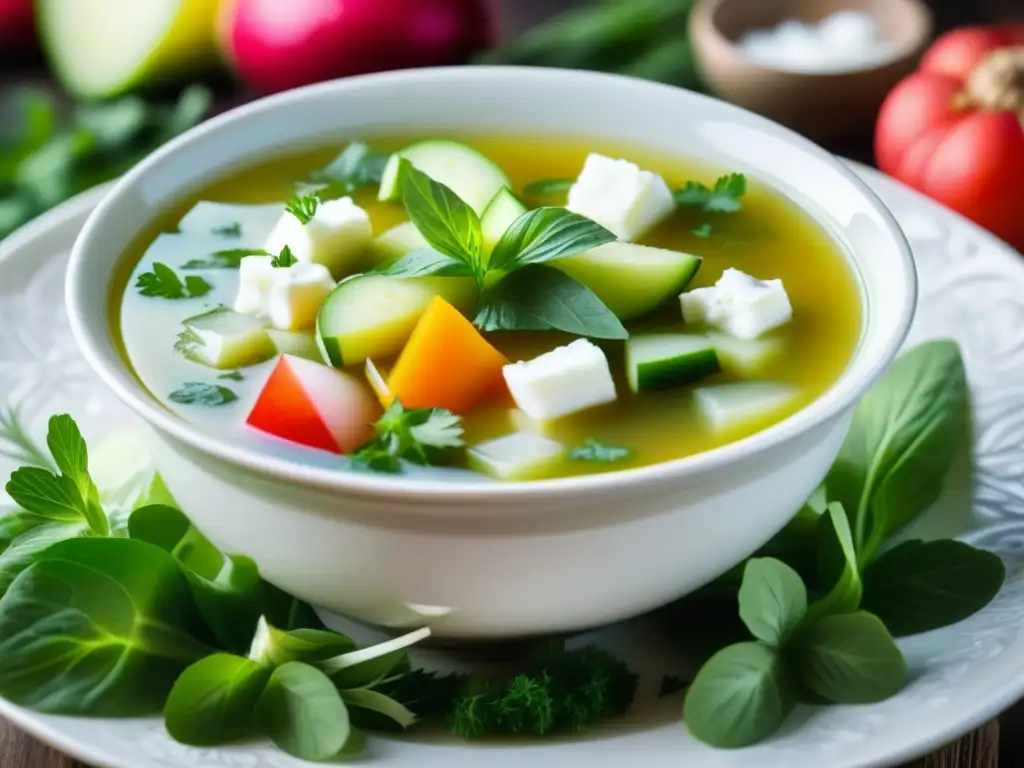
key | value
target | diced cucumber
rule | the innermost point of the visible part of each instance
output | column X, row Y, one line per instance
column 255, row 222
column 519, row 456
column 298, row 343
column 748, row 403
column 373, row 315
column 398, row 241
column 631, row 279
column 462, row 169
column 667, row 360
column 745, row 359
column 499, row 215
column 225, row 339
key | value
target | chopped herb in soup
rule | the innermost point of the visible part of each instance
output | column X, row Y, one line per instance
column 511, row 309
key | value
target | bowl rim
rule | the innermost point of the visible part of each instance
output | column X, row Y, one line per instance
column 843, row 394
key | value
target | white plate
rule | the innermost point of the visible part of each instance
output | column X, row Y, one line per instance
column 972, row 290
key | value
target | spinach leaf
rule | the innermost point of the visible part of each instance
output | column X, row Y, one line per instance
column 214, row 701
column 739, row 697
column 919, row 586
column 837, row 565
column 848, row 658
column 449, row 225
column 303, row 713
column 901, row 444
column 548, row 187
column 14, row 524
column 22, row 550
column 773, row 600
column 274, row 647
column 97, row 626
column 546, row 234
column 424, row 262
column 540, row 298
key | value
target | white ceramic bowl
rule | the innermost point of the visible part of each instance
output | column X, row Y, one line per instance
column 499, row 560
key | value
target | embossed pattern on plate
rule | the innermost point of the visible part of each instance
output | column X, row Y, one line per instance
column 972, row 290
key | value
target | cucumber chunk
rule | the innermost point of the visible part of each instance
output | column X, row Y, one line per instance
column 668, row 360
column 750, row 403
column 373, row 315
column 631, row 279
column 398, row 241
column 297, row 343
column 462, row 169
column 745, row 359
column 519, row 456
column 225, row 339
column 499, row 215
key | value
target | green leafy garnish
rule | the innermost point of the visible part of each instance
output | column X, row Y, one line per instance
column 303, row 207
column 232, row 376
column 230, row 258
column 724, row 197
column 420, row 436
column 594, row 451
column 358, row 166
column 234, row 229
column 704, row 230
column 165, row 283
column 425, row 262
column 448, row 224
column 546, row 234
column 837, row 566
column 284, row 259
column 202, row 393
column 548, row 187
column 303, row 713
column 773, row 600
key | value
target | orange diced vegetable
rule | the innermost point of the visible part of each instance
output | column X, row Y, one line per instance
column 446, row 363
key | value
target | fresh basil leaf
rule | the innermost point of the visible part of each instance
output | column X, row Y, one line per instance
column 273, row 647
column 901, row 444
column 449, row 225
column 548, row 187
column 773, row 600
column 425, row 262
column 202, row 393
column 23, row 550
column 546, row 234
column 360, row 700
column 214, row 701
column 594, row 451
column 848, row 658
column 303, row 713
column 99, row 627
column 230, row 258
column 540, row 298
column 739, row 697
column 919, row 586
column 837, row 565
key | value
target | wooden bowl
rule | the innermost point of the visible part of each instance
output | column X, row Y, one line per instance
column 821, row 106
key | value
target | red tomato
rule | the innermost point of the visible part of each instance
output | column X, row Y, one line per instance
column 955, row 128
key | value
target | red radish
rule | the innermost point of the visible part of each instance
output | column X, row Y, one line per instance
column 315, row 405
column 279, row 44
column 17, row 26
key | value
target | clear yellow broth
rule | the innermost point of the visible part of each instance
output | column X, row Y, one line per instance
column 770, row 238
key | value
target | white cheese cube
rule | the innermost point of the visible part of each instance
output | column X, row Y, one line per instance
column 621, row 197
column 519, row 456
column 739, row 304
column 296, row 294
column 338, row 236
column 563, row 381
column 255, row 274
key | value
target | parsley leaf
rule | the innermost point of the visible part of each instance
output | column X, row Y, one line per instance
column 234, row 229
column 165, row 283
column 284, row 260
column 546, row 234
column 358, row 165
column 449, row 225
column 201, row 393
column 419, row 435
column 303, row 207
column 548, row 187
column 226, row 259
column 593, row 451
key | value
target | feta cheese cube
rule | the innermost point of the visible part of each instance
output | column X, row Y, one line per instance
column 295, row 296
column 563, row 381
column 338, row 236
column 621, row 197
column 255, row 275
column 739, row 304
column 519, row 456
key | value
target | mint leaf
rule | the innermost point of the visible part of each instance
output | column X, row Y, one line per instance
column 303, row 207
column 540, row 298
column 424, row 262
column 548, row 187
column 592, row 450
column 234, row 229
column 230, row 258
column 163, row 282
column 545, row 234
column 919, row 586
column 837, row 564
column 449, row 225
column 200, row 393
column 773, row 600
column 283, row 260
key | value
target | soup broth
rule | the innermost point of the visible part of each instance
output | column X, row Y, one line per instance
column 768, row 238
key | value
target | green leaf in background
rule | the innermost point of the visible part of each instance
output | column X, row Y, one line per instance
column 17, row 444
column 273, row 647
column 358, row 166
column 901, row 444
column 449, row 225
column 837, row 565
column 214, row 701
column 97, row 626
column 773, row 600
column 425, row 262
column 546, row 234
column 303, row 713
column 740, row 697
column 22, row 550
column 540, row 298
column 54, row 497
column 848, row 658
column 919, row 586
column 15, row 523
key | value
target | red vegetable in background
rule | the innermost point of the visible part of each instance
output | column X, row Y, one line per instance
column 955, row 128
column 17, row 26
column 280, row 44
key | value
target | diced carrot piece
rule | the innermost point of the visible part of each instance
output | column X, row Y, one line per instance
column 446, row 363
